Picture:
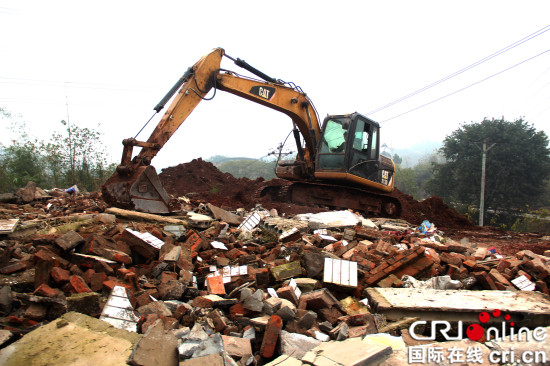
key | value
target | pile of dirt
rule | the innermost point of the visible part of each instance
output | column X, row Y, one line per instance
column 201, row 180
column 432, row 209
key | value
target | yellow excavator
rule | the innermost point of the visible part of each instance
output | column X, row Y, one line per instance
column 337, row 165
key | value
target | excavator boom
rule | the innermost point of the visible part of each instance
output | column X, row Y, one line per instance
column 135, row 184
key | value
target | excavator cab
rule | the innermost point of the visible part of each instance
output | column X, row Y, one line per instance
column 349, row 150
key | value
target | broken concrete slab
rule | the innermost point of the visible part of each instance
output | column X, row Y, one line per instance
column 285, row 360
column 210, row 360
column 86, row 337
column 331, row 219
column 295, row 344
column 350, row 352
column 237, row 347
column 156, row 347
column 525, row 308
column 225, row 216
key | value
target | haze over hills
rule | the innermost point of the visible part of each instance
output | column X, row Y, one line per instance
column 253, row 168
column 412, row 155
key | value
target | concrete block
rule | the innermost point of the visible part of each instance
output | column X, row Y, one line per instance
column 86, row 337
column 85, row 303
column 296, row 345
column 288, row 270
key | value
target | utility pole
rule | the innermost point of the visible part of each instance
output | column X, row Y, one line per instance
column 484, row 151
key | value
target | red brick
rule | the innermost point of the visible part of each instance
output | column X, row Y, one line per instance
column 110, row 284
column 542, row 287
column 433, row 253
column 215, row 285
column 96, row 281
column 45, row 291
column 486, row 281
column 79, row 285
column 498, row 277
column 15, row 267
column 390, row 281
column 288, row 293
column 271, row 336
column 168, row 276
column 87, row 276
column 194, row 241
column 452, row 258
column 502, row 265
column 59, row 275
column 237, row 310
column 423, row 263
column 470, row 264
column 180, row 311
column 480, row 253
column 121, row 272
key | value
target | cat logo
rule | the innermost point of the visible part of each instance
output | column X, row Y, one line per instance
column 265, row 92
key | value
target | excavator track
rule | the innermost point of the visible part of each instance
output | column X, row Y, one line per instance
column 334, row 197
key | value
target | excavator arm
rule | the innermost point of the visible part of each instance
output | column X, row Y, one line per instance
column 135, row 184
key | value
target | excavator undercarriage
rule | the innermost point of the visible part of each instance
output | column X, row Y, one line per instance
column 334, row 197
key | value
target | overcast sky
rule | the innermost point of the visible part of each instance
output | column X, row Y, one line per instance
column 110, row 63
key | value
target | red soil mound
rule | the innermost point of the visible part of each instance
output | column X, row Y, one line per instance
column 204, row 182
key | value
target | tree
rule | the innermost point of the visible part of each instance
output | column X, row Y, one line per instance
column 517, row 167
column 75, row 157
column 21, row 161
column 413, row 180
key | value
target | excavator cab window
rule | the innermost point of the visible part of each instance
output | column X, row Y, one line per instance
column 333, row 144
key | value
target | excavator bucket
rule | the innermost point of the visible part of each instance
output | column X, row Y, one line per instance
column 139, row 190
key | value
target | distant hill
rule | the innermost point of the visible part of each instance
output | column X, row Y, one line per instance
column 240, row 167
column 412, row 155
column 218, row 159
column 245, row 167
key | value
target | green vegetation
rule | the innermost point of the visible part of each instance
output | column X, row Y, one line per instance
column 517, row 166
column 74, row 157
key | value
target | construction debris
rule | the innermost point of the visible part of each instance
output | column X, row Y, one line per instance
column 233, row 285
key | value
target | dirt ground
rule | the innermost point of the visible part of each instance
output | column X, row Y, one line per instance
column 203, row 182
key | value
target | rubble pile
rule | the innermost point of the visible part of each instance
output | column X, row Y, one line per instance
column 235, row 286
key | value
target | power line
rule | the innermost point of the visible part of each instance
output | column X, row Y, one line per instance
column 466, row 87
column 477, row 63
column 64, row 84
